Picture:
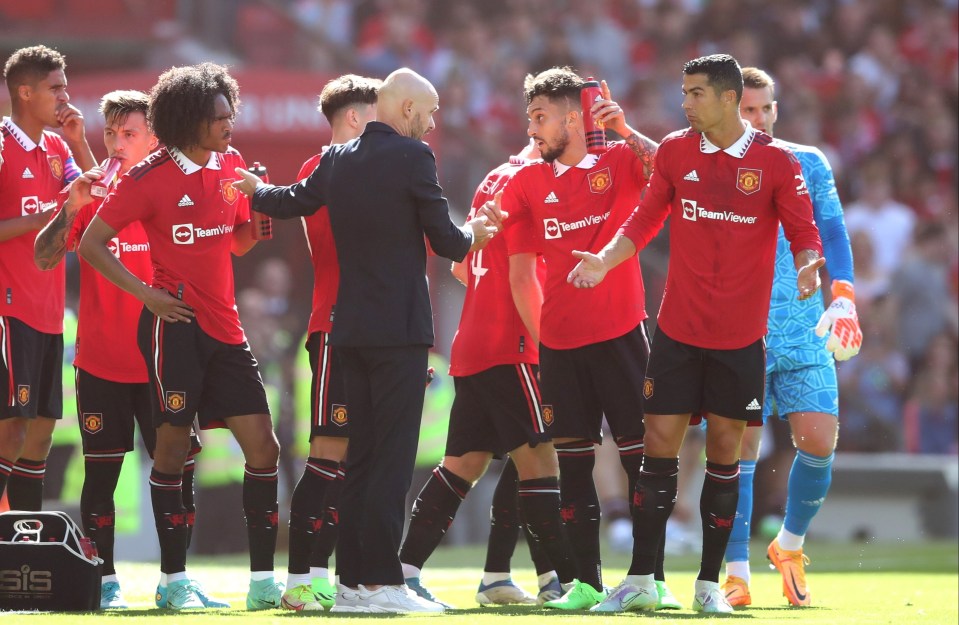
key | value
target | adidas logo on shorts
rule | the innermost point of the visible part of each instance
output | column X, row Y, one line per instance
column 754, row 405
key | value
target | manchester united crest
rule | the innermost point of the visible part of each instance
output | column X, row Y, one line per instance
column 229, row 192
column 92, row 422
column 648, row 388
column 749, row 180
column 338, row 414
column 56, row 165
column 600, row 181
column 548, row 415
column 23, row 394
column 175, row 400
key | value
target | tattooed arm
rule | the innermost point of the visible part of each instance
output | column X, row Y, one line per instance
column 645, row 150
column 611, row 115
column 51, row 243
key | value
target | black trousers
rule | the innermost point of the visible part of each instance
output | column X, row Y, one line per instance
column 384, row 393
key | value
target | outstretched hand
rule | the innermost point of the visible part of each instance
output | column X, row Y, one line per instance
column 808, row 280
column 588, row 272
column 248, row 182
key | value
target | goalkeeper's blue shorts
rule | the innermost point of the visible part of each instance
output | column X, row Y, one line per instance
column 800, row 380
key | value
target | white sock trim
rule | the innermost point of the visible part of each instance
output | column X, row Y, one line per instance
column 491, row 578
column 410, row 571
column 298, row 579
column 259, row 576
column 738, row 569
column 546, row 577
column 790, row 541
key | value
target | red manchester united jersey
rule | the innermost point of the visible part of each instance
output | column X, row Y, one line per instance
column 491, row 331
column 108, row 317
column 326, row 269
column 31, row 178
column 188, row 213
column 562, row 209
column 726, row 206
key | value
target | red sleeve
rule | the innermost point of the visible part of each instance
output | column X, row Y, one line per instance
column 126, row 204
column 519, row 231
column 794, row 206
column 648, row 218
column 308, row 167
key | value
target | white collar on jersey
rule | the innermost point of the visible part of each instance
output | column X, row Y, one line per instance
column 736, row 150
column 25, row 142
column 588, row 162
column 189, row 167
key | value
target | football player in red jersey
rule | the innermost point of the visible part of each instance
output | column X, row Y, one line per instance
column 727, row 187
column 497, row 410
column 198, row 360
column 348, row 103
column 38, row 164
column 112, row 390
column 592, row 359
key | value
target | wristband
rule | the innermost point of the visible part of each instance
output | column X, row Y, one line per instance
column 843, row 288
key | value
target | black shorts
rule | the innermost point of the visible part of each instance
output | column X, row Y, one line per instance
column 107, row 412
column 193, row 374
column 31, row 370
column 604, row 378
column 498, row 410
column 328, row 415
column 685, row 379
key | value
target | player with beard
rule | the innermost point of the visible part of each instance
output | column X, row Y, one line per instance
column 593, row 344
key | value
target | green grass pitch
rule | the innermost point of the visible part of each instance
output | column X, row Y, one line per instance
column 855, row 583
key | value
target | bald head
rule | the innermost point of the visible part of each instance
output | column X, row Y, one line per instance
column 407, row 101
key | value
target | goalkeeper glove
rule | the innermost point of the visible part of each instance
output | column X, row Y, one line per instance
column 841, row 322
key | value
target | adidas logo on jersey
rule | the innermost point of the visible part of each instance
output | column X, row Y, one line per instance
column 185, row 201
column 692, row 176
column 754, row 405
column 551, row 198
column 27, row 174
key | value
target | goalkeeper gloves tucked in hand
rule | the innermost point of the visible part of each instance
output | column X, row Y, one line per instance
column 841, row 322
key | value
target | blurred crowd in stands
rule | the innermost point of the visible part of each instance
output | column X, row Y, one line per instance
column 873, row 83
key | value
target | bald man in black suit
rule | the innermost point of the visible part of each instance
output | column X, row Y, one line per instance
column 383, row 196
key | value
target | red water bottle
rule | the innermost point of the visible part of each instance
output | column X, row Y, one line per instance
column 595, row 132
column 111, row 170
column 262, row 224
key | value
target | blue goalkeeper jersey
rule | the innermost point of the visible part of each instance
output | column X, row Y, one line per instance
column 792, row 322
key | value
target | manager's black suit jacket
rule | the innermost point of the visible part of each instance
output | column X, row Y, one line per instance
column 382, row 195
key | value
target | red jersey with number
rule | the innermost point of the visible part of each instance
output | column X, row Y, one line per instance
column 326, row 269
column 726, row 206
column 189, row 213
column 108, row 317
column 491, row 332
column 31, row 178
column 560, row 209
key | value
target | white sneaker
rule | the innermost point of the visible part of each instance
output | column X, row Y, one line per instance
column 629, row 598
column 709, row 598
column 349, row 600
column 397, row 599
